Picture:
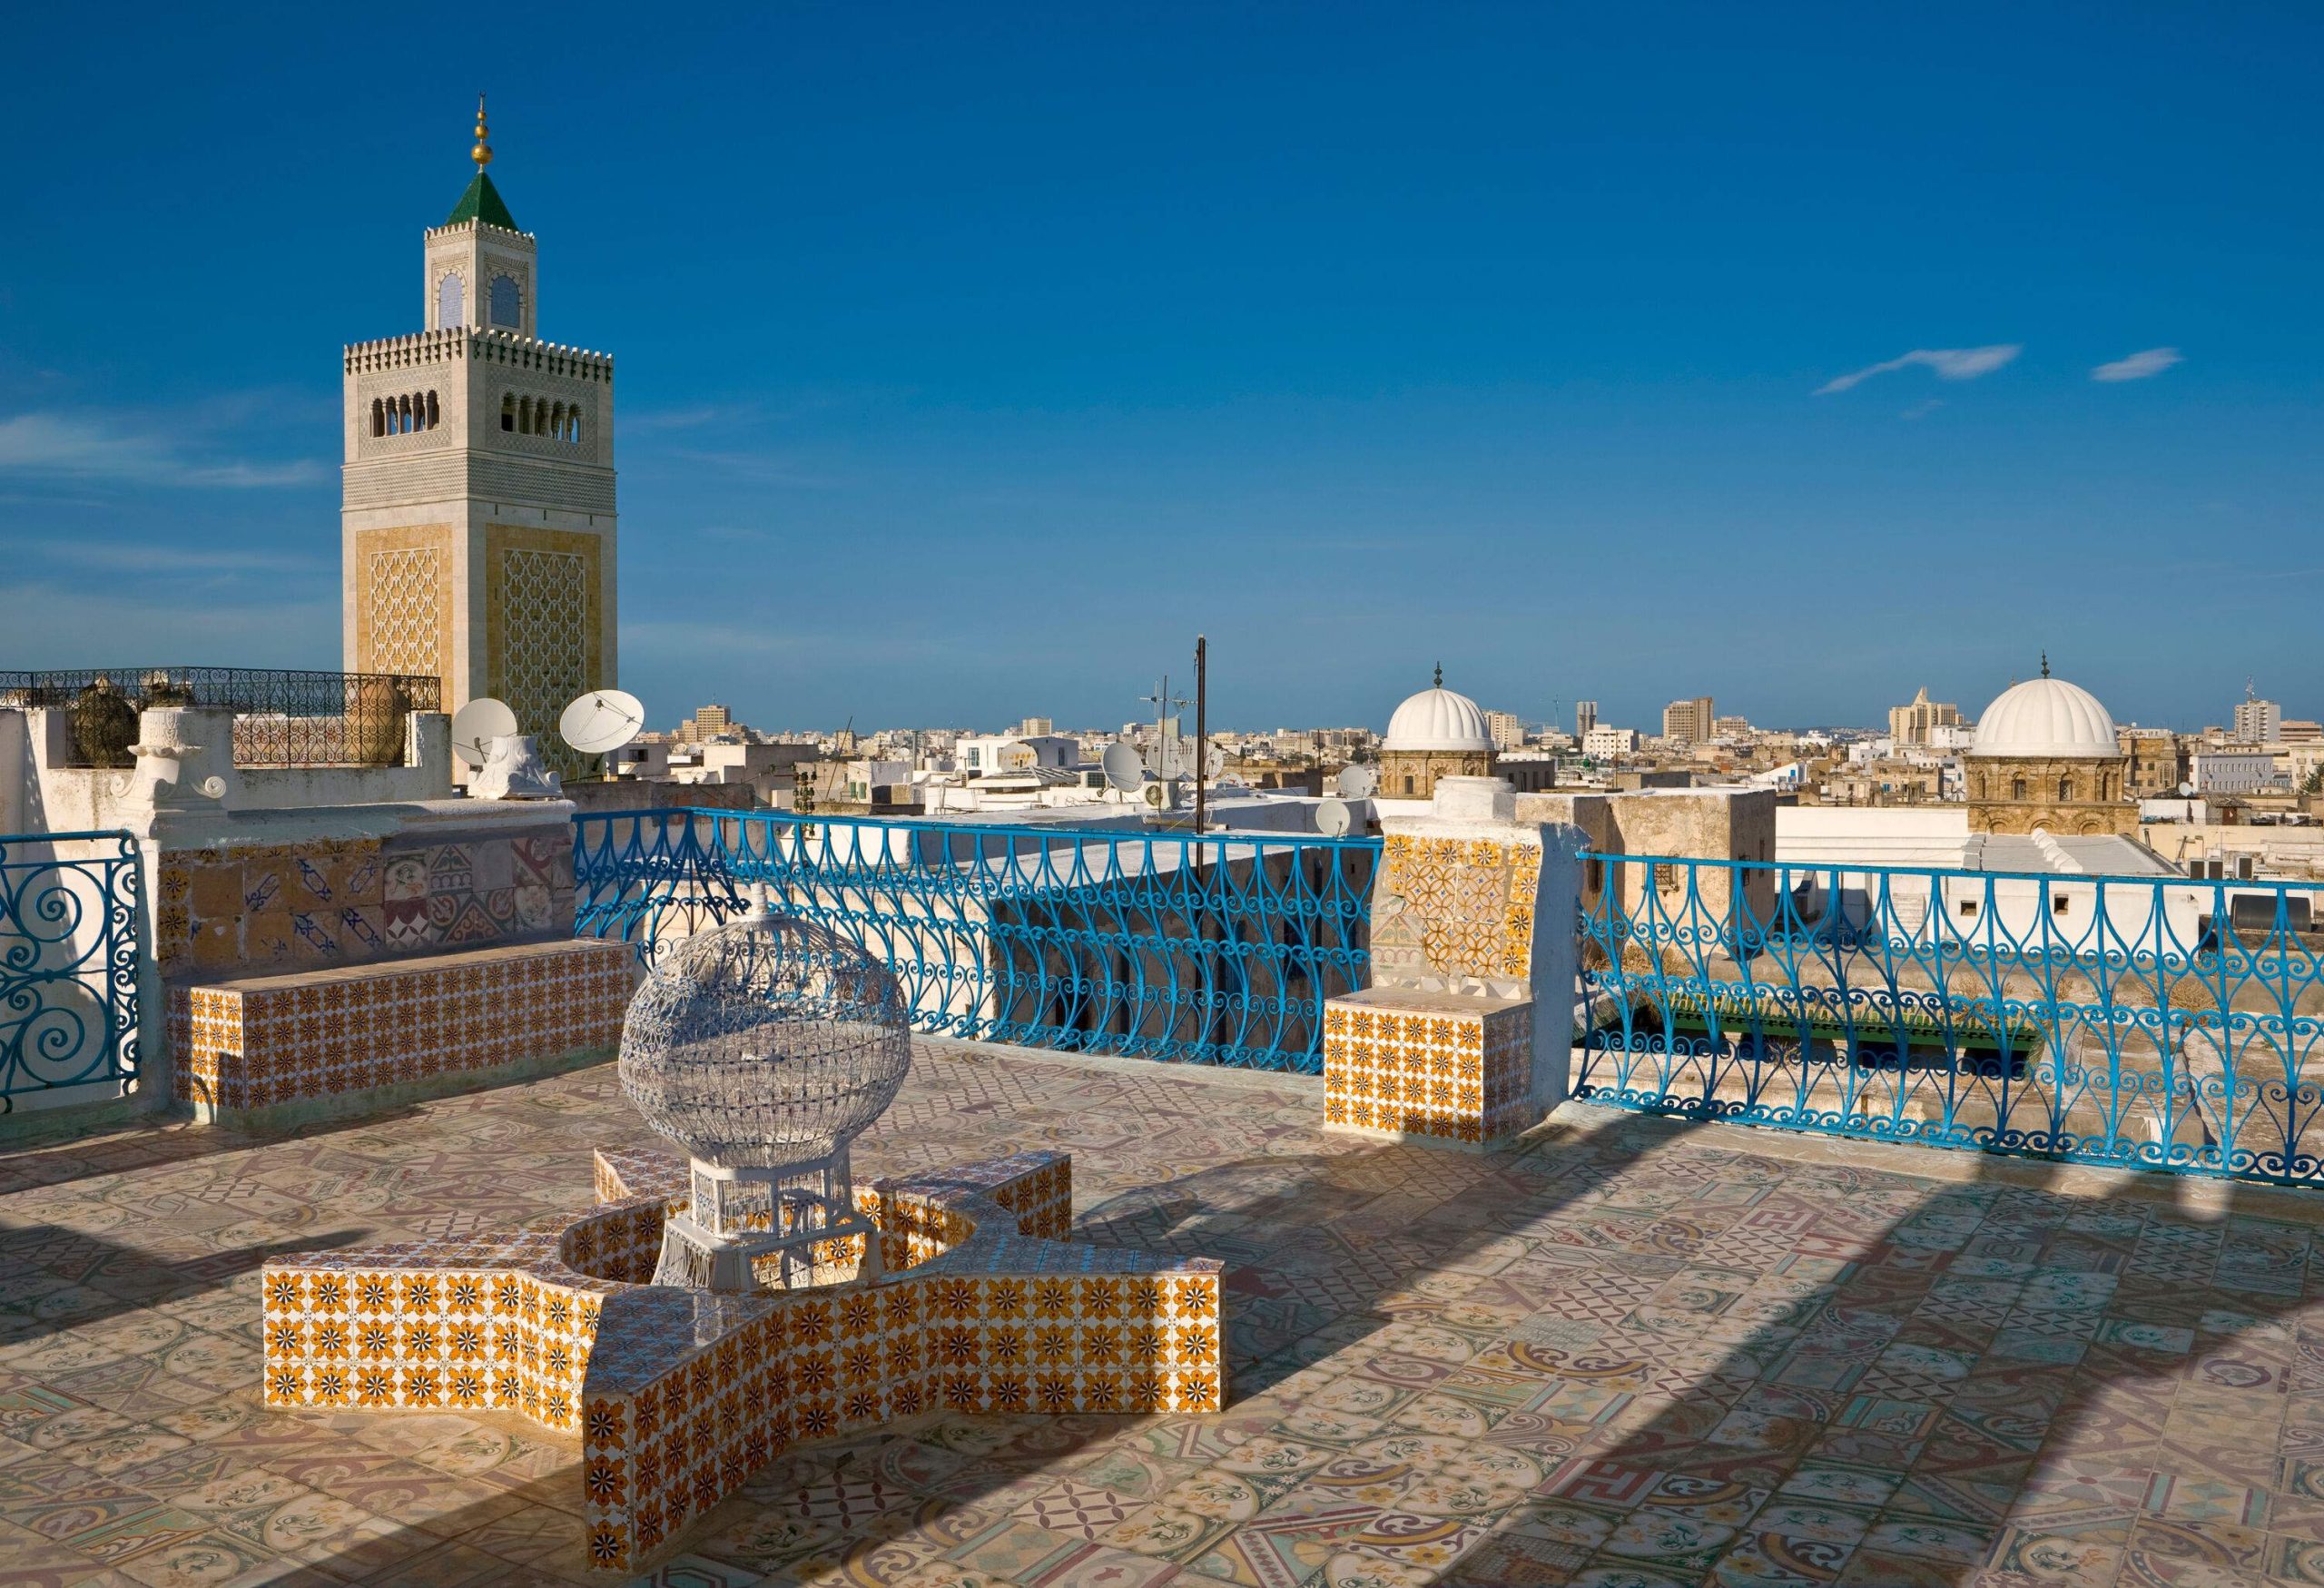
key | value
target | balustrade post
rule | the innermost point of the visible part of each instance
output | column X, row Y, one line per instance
column 1465, row 1035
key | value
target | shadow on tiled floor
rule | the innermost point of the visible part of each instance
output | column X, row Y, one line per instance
column 1624, row 1351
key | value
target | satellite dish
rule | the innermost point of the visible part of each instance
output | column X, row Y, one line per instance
column 602, row 721
column 1215, row 763
column 2186, row 790
column 1123, row 768
column 1157, row 795
column 476, row 725
column 1332, row 818
column 1356, row 782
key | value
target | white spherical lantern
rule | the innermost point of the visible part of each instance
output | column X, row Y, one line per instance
column 763, row 1048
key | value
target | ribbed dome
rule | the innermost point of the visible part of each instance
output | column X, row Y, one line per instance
column 1438, row 719
column 2045, row 717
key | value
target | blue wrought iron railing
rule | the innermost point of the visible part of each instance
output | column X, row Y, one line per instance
column 69, row 959
column 2151, row 1022
column 1215, row 949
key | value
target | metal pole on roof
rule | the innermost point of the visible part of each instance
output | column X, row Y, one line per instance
column 1202, row 725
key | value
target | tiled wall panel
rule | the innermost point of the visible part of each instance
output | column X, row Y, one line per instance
column 1462, row 1077
column 256, row 908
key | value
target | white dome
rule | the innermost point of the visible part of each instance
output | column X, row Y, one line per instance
column 2045, row 717
column 1438, row 719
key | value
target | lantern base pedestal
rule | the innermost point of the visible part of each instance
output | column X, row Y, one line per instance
column 783, row 1228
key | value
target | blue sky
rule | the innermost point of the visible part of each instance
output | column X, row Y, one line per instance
column 972, row 358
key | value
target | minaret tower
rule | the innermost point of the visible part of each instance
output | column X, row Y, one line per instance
column 476, row 510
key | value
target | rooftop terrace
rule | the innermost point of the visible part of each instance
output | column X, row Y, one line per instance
column 1623, row 1351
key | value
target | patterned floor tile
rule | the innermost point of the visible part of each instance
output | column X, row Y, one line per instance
column 1623, row 1352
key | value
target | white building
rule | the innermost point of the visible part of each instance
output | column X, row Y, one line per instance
column 979, row 757
column 2233, row 771
column 1601, row 743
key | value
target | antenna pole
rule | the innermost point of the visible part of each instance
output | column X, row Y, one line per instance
column 1202, row 725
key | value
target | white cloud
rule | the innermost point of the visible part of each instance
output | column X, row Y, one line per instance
column 67, row 446
column 1950, row 364
column 2138, row 365
column 1923, row 408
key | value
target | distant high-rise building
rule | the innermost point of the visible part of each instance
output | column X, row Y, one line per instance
column 2258, row 721
column 1910, row 723
column 1689, row 722
column 1035, row 727
column 1507, row 732
column 1730, row 727
column 1585, row 717
column 708, row 722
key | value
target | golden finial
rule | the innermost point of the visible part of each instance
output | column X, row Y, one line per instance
column 482, row 152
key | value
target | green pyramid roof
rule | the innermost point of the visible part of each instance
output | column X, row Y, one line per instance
column 482, row 202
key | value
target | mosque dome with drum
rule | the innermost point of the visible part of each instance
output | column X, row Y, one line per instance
column 1437, row 733
column 2046, row 758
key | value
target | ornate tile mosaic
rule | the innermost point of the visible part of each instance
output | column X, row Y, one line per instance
column 268, row 1040
column 1455, row 907
column 679, row 1395
column 252, row 909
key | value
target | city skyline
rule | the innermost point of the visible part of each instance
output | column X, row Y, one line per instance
column 968, row 373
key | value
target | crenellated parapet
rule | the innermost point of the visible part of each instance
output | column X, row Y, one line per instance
column 463, row 344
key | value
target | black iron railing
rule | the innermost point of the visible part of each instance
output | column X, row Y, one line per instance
column 283, row 716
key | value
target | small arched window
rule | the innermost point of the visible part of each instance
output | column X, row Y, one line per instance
column 379, row 418
column 508, row 303
column 2018, row 788
column 556, row 422
column 508, row 413
column 435, row 414
column 2065, row 789
column 451, row 305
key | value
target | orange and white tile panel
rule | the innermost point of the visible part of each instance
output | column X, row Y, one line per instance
column 1427, row 1070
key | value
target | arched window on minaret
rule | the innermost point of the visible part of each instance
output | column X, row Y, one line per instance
column 556, row 423
column 572, row 424
column 452, row 306
column 435, row 414
column 379, row 418
column 508, row 305
column 508, row 413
